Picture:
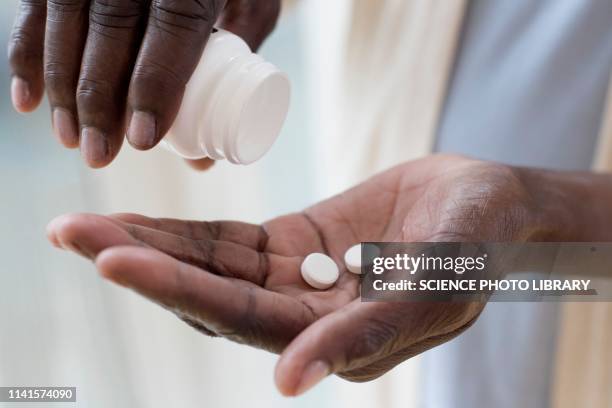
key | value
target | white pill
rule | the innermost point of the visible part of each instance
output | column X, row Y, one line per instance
column 319, row 271
column 352, row 259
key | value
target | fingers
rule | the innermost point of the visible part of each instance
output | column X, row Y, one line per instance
column 26, row 55
column 115, row 29
column 364, row 340
column 65, row 35
column 173, row 44
column 200, row 164
column 227, row 248
column 219, row 257
column 253, row 20
column 174, row 284
column 354, row 334
column 88, row 235
column 235, row 309
column 242, row 233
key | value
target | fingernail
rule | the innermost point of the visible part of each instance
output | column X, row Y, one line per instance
column 312, row 375
column 94, row 147
column 65, row 128
column 142, row 131
column 52, row 236
column 52, row 228
column 20, row 94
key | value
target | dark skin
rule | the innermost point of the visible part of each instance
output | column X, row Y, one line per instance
column 242, row 281
column 116, row 66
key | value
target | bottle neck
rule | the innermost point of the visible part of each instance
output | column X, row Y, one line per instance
column 240, row 121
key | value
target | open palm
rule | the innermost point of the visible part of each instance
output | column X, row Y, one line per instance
column 243, row 282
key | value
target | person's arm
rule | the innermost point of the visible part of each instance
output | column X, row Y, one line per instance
column 243, row 282
column 115, row 65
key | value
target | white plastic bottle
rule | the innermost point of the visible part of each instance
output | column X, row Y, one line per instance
column 234, row 105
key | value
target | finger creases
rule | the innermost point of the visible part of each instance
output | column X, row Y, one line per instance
column 228, row 249
column 65, row 35
column 171, row 49
column 26, row 55
column 219, row 257
column 236, row 309
column 352, row 337
column 113, row 38
column 250, row 235
column 362, row 341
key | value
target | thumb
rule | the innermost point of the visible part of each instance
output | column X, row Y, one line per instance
column 200, row 164
column 362, row 341
column 349, row 338
column 253, row 20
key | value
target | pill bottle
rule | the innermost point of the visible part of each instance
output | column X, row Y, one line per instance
column 234, row 105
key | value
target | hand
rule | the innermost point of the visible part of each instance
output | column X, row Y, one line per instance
column 242, row 281
column 115, row 64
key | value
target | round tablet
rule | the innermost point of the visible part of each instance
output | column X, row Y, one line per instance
column 352, row 259
column 319, row 271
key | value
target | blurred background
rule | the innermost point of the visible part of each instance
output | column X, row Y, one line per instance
column 62, row 325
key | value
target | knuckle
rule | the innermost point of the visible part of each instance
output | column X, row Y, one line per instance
column 193, row 15
column 93, row 92
column 150, row 74
column 378, row 338
column 62, row 10
column 31, row 10
column 66, row 4
column 115, row 14
column 26, row 41
column 23, row 50
column 32, row 6
column 59, row 85
column 202, row 255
